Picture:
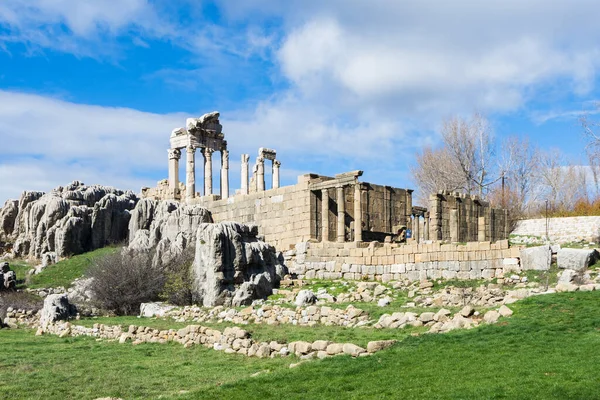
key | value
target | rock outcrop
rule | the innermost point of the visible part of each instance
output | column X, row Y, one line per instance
column 67, row 221
column 232, row 266
column 164, row 225
column 56, row 308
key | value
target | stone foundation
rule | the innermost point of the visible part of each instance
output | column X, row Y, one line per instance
column 389, row 262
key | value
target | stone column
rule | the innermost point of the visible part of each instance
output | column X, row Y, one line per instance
column 245, row 159
column 426, row 226
column 190, row 173
column 416, row 233
column 341, row 217
column 357, row 213
column 454, row 226
column 224, row 174
column 207, row 171
column 324, row 215
column 260, row 174
column 276, row 165
column 174, row 156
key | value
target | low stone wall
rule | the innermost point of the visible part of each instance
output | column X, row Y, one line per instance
column 568, row 229
column 232, row 340
column 388, row 262
column 275, row 315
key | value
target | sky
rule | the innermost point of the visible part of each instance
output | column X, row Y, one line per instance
column 90, row 90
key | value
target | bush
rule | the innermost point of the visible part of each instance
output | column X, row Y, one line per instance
column 178, row 287
column 121, row 282
column 19, row 301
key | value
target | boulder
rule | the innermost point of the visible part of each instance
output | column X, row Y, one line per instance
column 576, row 259
column 467, row 311
column 536, row 258
column 155, row 309
column 232, row 265
column 491, row 316
column 56, row 308
column 305, row 298
column 8, row 278
column 505, row 311
column 353, row 350
column 377, row 345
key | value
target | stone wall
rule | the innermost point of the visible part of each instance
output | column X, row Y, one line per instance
column 387, row 262
column 283, row 214
column 459, row 217
column 568, row 229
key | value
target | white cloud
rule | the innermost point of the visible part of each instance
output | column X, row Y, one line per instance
column 46, row 142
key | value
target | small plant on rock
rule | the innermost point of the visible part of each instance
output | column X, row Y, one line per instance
column 178, row 288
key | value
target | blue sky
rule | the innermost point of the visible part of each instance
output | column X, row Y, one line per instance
column 91, row 89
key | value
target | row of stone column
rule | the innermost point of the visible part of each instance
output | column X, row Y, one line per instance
column 341, row 214
column 190, row 171
column 259, row 178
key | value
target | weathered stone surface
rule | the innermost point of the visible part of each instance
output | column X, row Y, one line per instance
column 377, row 345
column 68, row 220
column 165, row 225
column 467, row 311
column 491, row 316
column 155, row 309
column 576, row 259
column 505, row 311
column 536, row 258
column 8, row 278
column 230, row 259
column 56, row 308
column 305, row 297
column 353, row 350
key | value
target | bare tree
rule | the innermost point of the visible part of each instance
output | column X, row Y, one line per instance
column 520, row 165
column 590, row 131
column 465, row 162
column 562, row 183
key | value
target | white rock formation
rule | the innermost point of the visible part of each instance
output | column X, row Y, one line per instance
column 56, row 308
column 232, row 266
column 68, row 220
column 164, row 225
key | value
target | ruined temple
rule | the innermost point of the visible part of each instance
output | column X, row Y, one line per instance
column 318, row 208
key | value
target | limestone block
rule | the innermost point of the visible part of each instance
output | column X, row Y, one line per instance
column 536, row 258
column 576, row 259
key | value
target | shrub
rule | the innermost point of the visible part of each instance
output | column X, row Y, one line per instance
column 178, row 287
column 121, row 282
column 19, row 301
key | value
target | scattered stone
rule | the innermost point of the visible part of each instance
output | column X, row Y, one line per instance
column 467, row 311
column 505, row 311
column 491, row 316
column 378, row 345
column 305, row 297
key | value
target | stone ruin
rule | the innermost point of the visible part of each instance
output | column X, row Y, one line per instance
column 319, row 208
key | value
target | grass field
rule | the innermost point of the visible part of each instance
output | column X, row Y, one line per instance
column 63, row 273
column 548, row 349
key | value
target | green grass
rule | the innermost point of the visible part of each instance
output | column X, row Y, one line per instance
column 548, row 349
column 64, row 272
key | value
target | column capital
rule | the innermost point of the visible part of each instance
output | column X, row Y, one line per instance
column 276, row 163
column 174, row 154
column 245, row 158
column 207, row 151
column 190, row 148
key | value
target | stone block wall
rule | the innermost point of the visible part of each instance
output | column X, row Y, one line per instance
column 459, row 217
column 568, row 229
column 282, row 214
column 387, row 262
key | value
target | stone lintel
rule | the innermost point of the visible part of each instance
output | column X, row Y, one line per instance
column 353, row 174
column 267, row 154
